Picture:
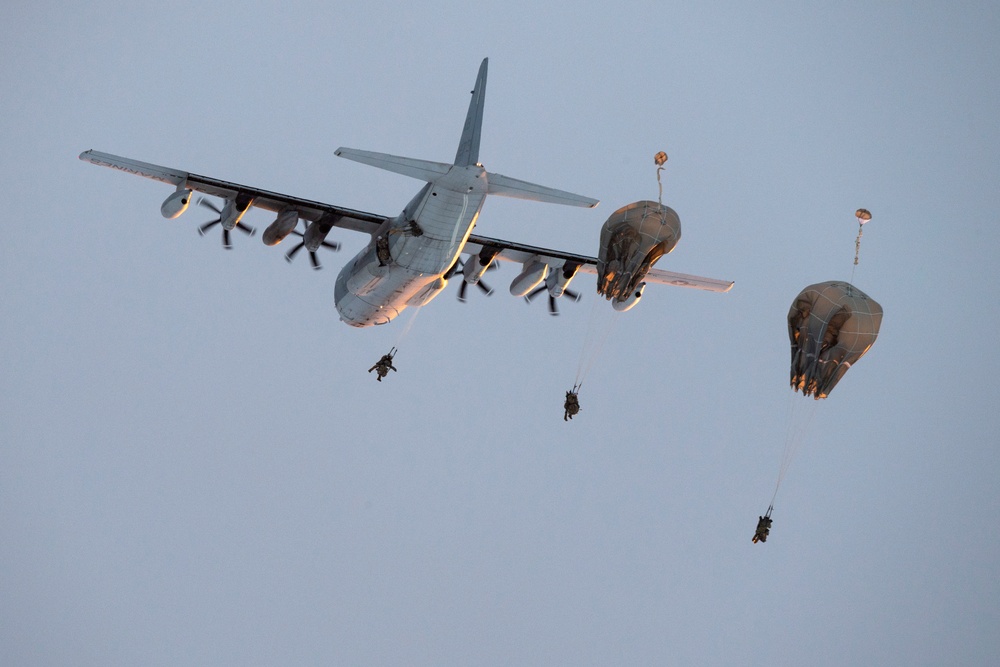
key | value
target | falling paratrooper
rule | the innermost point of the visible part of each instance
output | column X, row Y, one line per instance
column 384, row 365
column 763, row 526
column 571, row 407
column 831, row 325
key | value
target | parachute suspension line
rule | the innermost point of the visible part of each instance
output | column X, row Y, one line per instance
column 863, row 216
column 660, row 159
column 857, row 244
column 409, row 325
column 594, row 342
column 785, row 450
column 800, row 417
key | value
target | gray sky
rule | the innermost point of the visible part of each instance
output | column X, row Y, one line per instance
column 195, row 467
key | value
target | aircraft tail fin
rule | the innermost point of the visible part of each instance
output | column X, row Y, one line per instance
column 467, row 156
column 468, row 146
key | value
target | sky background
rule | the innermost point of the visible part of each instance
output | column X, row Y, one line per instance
column 196, row 469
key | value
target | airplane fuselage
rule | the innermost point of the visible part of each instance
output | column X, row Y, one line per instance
column 410, row 257
column 405, row 263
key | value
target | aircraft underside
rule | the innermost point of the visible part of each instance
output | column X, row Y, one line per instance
column 410, row 257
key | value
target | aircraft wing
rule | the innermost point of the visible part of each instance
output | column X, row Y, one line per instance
column 362, row 221
column 521, row 253
column 263, row 199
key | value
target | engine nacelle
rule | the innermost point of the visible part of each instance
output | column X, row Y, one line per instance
column 622, row 305
column 534, row 272
column 317, row 231
column 281, row 227
column 175, row 204
column 558, row 279
column 477, row 265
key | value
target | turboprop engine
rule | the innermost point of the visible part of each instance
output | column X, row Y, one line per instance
column 632, row 240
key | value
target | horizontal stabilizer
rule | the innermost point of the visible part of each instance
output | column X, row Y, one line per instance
column 512, row 187
column 425, row 170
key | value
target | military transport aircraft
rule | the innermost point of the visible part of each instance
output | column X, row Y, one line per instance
column 411, row 256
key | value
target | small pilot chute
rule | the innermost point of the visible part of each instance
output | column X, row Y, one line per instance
column 572, row 405
column 863, row 215
column 384, row 365
column 830, row 326
column 660, row 159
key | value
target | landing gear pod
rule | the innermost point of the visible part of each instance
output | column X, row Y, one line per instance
column 175, row 204
column 632, row 240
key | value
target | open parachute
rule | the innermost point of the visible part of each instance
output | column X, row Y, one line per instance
column 632, row 240
column 830, row 325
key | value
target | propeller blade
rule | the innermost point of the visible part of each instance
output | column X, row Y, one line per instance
column 484, row 287
column 455, row 268
column 245, row 228
column 461, row 291
column 538, row 290
column 314, row 260
column 208, row 225
column 209, row 204
column 571, row 294
column 553, row 308
column 290, row 255
column 332, row 245
column 225, row 239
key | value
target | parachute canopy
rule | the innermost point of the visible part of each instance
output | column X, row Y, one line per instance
column 830, row 325
column 632, row 239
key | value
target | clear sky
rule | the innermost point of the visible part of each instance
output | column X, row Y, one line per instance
column 195, row 467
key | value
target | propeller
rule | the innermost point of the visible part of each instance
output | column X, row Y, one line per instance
column 553, row 307
column 243, row 227
column 290, row 255
column 457, row 268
